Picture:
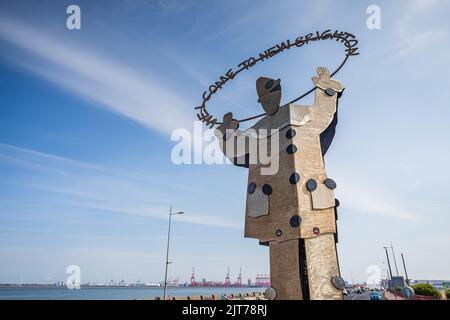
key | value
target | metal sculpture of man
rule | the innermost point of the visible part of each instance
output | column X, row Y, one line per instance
column 293, row 211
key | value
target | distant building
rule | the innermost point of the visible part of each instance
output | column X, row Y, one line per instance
column 395, row 282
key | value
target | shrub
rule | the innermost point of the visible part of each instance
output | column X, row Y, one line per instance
column 447, row 293
column 426, row 289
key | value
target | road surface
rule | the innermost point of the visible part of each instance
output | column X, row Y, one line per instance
column 361, row 296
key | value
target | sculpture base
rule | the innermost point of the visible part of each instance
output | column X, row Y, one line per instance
column 302, row 269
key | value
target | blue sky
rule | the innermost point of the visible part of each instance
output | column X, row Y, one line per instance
column 86, row 116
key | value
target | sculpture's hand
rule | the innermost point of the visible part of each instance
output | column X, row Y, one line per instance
column 228, row 135
column 228, row 126
column 324, row 73
column 323, row 80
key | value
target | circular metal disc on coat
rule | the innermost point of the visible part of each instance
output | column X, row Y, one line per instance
column 290, row 133
column 270, row 293
column 294, row 178
column 316, row 231
column 330, row 183
column 267, row 189
column 330, row 92
column 338, row 282
column 278, row 233
column 311, row 185
column 291, row 149
column 251, row 187
column 295, row 221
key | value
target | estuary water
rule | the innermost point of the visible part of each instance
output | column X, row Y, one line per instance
column 116, row 293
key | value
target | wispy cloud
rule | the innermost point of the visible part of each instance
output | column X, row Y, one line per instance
column 411, row 38
column 76, row 184
column 362, row 199
column 414, row 10
column 420, row 41
column 97, row 77
column 418, row 6
column 174, row 5
column 98, row 263
column 195, row 74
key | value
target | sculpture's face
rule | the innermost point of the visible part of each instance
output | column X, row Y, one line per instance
column 269, row 94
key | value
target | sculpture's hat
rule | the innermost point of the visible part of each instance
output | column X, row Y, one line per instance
column 266, row 85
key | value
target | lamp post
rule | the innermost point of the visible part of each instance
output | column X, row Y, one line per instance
column 395, row 262
column 167, row 253
column 389, row 263
column 390, row 271
column 404, row 267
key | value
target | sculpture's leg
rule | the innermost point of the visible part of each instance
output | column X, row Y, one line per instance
column 285, row 264
column 323, row 265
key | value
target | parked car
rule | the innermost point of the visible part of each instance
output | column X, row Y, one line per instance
column 375, row 295
column 358, row 290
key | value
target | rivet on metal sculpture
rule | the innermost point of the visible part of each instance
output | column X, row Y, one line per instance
column 294, row 210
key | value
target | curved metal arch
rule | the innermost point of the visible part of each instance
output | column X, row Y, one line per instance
column 348, row 39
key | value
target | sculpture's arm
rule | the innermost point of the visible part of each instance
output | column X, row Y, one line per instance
column 327, row 94
column 232, row 141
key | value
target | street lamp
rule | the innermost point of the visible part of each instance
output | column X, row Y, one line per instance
column 389, row 263
column 390, row 271
column 168, row 244
column 404, row 267
column 395, row 261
